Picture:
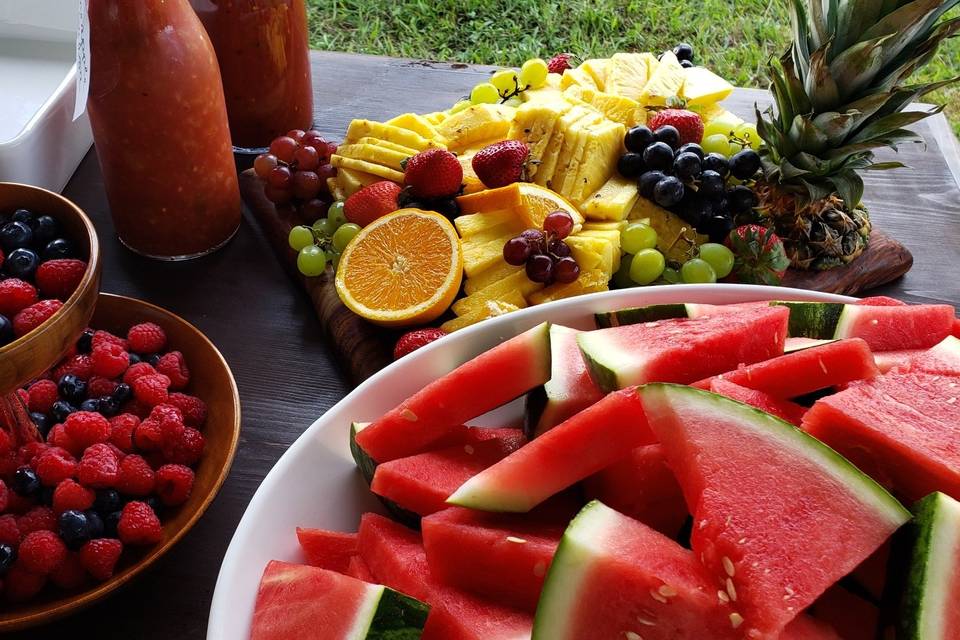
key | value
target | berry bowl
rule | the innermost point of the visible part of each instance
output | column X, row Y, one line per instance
column 211, row 380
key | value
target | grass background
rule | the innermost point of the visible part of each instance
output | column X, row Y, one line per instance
column 735, row 38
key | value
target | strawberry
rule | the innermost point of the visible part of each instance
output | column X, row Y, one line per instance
column 501, row 163
column 560, row 63
column 413, row 340
column 759, row 256
column 434, row 173
column 688, row 123
column 372, row 202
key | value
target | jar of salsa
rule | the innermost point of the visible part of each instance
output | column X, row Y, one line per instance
column 160, row 128
column 264, row 60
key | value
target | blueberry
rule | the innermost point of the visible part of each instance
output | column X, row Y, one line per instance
column 22, row 215
column 15, row 235
column 668, row 134
column 122, row 393
column 668, row 192
column 74, row 528
column 107, row 501
column 133, row 358
column 631, row 165
column 687, row 64
column 72, row 389
column 659, row 156
column 42, row 421
column 638, row 139
column 22, row 263
column 108, row 406
column 45, row 229
column 695, row 208
column 61, row 409
column 686, row 166
column 741, row 199
column 711, row 184
column 25, row 482
column 648, row 181
column 745, row 164
column 58, row 248
column 692, row 147
column 95, row 524
column 718, row 163
column 85, row 342
column 45, row 496
column 90, row 404
column 7, row 556
column 110, row 523
column 6, row 330
column 152, row 359
column 683, row 51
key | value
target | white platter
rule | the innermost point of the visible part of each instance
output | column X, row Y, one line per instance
column 315, row 482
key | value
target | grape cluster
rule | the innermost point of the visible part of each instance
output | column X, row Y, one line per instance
column 296, row 169
column 322, row 242
column 704, row 189
column 506, row 85
column 642, row 263
column 546, row 257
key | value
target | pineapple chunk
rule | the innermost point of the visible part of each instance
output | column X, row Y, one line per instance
column 617, row 108
column 475, row 123
column 374, row 154
column 628, row 73
column 436, row 117
column 506, row 229
column 534, row 125
column 702, row 86
column 352, row 181
column 605, row 226
column 551, row 155
column 479, row 256
column 591, row 253
column 599, row 162
column 416, row 123
column 568, row 161
column 588, row 282
column 518, row 282
column 612, row 238
column 475, row 223
column 386, row 144
column 491, row 309
column 665, row 82
column 336, row 189
column 675, row 237
column 366, row 167
column 367, row 128
column 577, row 76
column 471, row 183
column 488, row 276
column 612, row 201
column 597, row 68
column 508, row 197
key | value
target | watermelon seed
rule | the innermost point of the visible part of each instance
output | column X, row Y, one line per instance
column 406, row 414
column 667, row 591
column 742, row 541
column 633, row 636
column 703, row 524
column 736, row 620
column 656, row 596
column 468, row 449
column 731, row 591
column 789, row 591
column 874, row 322
column 823, row 367
column 723, row 597
column 645, row 622
column 728, row 566
column 515, row 539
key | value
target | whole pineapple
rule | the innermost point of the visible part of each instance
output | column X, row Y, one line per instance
column 840, row 91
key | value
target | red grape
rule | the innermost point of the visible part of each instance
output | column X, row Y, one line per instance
column 516, row 251
column 296, row 134
column 307, row 158
column 559, row 248
column 284, row 147
column 313, row 139
column 306, row 185
column 535, row 238
column 277, row 196
column 312, row 210
column 264, row 164
column 566, row 270
column 540, row 268
column 279, row 177
column 558, row 223
column 326, row 171
column 331, row 148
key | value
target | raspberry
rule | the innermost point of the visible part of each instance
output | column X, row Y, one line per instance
column 15, row 296
column 37, row 519
column 110, row 360
column 151, row 389
column 121, row 431
column 98, row 386
column 194, row 409
column 41, row 552
column 137, row 370
column 41, row 396
column 55, row 465
column 34, row 316
column 4, row 496
column 20, row 585
column 139, row 525
column 105, row 337
column 148, row 436
column 29, row 452
column 70, row 574
column 136, row 477
column 170, row 420
column 174, row 484
column 187, row 450
column 99, row 557
column 79, row 365
column 18, row 504
column 70, row 494
column 137, row 408
column 60, row 278
column 174, row 366
column 146, row 337
column 6, row 443
column 58, row 438
column 9, row 531
column 87, row 428
column 98, row 467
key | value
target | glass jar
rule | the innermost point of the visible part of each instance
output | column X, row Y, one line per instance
column 264, row 57
column 160, row 128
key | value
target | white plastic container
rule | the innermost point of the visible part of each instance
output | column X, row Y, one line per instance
column 40, row 143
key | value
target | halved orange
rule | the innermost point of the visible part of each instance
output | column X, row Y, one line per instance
column 402, row 269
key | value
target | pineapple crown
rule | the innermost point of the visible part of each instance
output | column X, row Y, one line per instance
column 841, row 88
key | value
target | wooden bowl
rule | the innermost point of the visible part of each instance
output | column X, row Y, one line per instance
column 28, row 356
column 212, row 381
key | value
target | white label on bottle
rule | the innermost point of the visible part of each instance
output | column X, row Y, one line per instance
column 83, row 60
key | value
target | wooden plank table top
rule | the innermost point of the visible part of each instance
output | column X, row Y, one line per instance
column 268, row 331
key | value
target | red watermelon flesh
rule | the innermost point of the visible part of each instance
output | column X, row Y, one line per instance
column 852, row 617
column 871, row 574
column 892, row 328
column 956, row 328
column 423, row 482
column 805, row 371
column 887, row 361
column 881, row 301
column 804, row 627
column 643, row 487
column 683, row 349
column 327, row 549
column 358, row 569
column 583, row 445
column 459, row 616
column 500, row 557
column 942, row 359
column 783, row 409
column 777, row 516
column 494, row 378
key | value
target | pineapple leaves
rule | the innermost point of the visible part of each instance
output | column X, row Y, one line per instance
column 857, row 66
column 883, row 166
column 807, row 136
column 889, row 124
column 854, row 14
column 819, row 84
column 836, row 126
column 849, row 186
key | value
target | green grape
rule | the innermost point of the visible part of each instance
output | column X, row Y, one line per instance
column 484, row 93
column 698, row 271
column 646, row 266
column 343, row 235
column 459, row 106
column 723, row 124
column 335, row 260
column 718, row 257
column 716, row 143
column 335, row 214
column 324, row 227
column 637, row 236
column 505, row 81
column 311, row 261
column 300, row 237
column 748, row 133
column 514, row 101
column 671, row 276
column 533, row 73
column 621, row 278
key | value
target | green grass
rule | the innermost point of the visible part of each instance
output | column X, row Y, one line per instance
column 735, row 38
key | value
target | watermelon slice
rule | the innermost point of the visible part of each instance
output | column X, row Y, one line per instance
column 643, row 487
column 569, row 390
column 500, row 557
column 422, row 483
column 783, row 409
column 654, row 312
column 327, row 549
column 358, row 569
column 802, row 372
column 955, row 331
column 942, row 359
column 804, row 627
column 796, row 344
column 613, row 577
column 586, row 443
column 930, row 610
column 901, row 429
column 682, row 350
column 881, row 301
column 482, row 384
column 769, row 503
column 298, row 601
column 850, row 616
column 885, row 328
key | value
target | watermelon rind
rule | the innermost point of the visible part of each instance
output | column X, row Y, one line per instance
column 936, row 554
column 636, row 315
column 396, row 617
column 814, row 319
column 792, row 345
column 367, row 467
column 604, row 361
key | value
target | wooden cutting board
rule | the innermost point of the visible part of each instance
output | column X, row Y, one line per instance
column 363, row 348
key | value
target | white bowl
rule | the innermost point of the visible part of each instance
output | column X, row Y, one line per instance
column 315, row 482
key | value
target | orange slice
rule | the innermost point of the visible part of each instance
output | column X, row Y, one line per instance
column 539, row 201
column 404, row 268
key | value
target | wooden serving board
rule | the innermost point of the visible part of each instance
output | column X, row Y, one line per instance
column 363, row 348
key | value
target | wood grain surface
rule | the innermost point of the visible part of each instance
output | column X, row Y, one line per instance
column 269, row 333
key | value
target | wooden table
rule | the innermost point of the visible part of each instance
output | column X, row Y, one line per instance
column 268, row 332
